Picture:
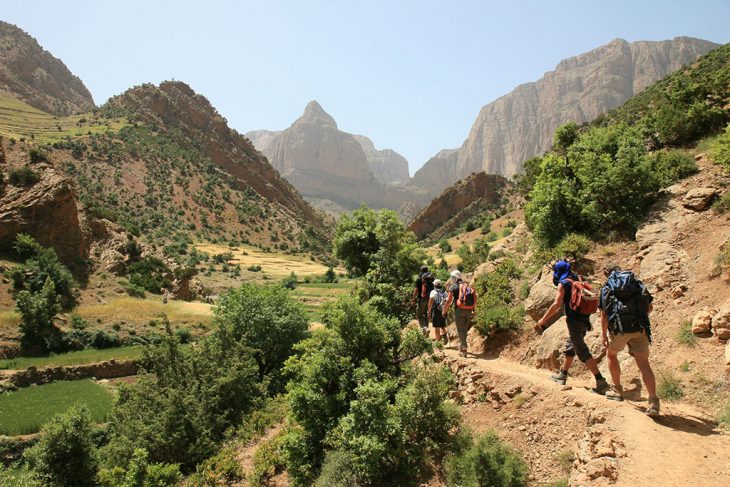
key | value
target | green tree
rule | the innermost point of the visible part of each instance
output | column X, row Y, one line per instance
column 356, row 241
column 266, row 319
column 65, row 455
column 141, row 473
column 37, row 311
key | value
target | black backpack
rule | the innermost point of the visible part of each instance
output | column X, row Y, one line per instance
column 625, row 303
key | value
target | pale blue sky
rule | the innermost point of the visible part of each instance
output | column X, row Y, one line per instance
column 411, row 75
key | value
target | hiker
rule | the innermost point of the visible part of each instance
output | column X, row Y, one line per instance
column 421, row 292
column 436, row 302
column 578, row 325
column 465, row 299
column 625, row 305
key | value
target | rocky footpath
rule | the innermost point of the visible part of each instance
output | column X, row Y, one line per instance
column 520, row 125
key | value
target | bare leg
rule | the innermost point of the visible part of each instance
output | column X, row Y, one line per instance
column 568, row 362
column 592, row 365
column 642, row 361
column 614, row 367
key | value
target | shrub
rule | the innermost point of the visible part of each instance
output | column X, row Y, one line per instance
column 720, row 149
column 266, row 319
column 134, row 290
column 670, row 166
column 184, row 335
column 445, row 245
column 37, row 155
column 37, row 311
column 253, row 268
column 685, row 335
column 330, row 275
column 488, row 462
column 24, row 176
column 150, row 274
column 289, row 282
column 491, row 319
column 723, row 417
column 669, row 387
column 104, row 339
column 338, row 470
column 722, row 204
column 65, row 455
column 77, row 322
column 267, row 462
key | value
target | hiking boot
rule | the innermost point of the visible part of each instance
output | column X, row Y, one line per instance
column 601, row 386
column 615, row 393
column 653, row 408
column 462, row 352
column 560, row 377
column 445, row 338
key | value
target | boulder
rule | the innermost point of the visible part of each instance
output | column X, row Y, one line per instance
column 476, row 343
column 658, row 261
column 542, row 295
column 727, row 353
column 549, row 351
column 702, row 321
column 721, row 322
column 699, row 199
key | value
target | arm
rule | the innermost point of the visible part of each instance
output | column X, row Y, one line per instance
column 430, row 306
column 554, row 308
column 414, row 296
column 449, row 300
column 604, row 327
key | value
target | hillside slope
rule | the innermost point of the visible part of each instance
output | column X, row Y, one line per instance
column 520, row 125
column 33, row 75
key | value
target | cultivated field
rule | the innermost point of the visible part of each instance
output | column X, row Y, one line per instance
column 88, row 356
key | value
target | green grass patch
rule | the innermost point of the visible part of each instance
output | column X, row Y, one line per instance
column 565, row 459
column 26, row 410
column 88, row 356
column 669, row 388
column 723, row 417
column 685, row 335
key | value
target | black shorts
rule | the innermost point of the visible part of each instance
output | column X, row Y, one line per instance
column 438, row 320
column 576, row 344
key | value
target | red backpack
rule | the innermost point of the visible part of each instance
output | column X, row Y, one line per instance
column 583, row 299
column 467, row 297
column 426, row 285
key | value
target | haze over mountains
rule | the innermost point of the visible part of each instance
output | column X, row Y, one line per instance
column 520, row 125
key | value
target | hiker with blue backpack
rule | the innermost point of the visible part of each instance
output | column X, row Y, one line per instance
column 575, row 297
column 625, row 305
column 464, row 298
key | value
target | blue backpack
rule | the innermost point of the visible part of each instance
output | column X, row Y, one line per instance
column 625, row 301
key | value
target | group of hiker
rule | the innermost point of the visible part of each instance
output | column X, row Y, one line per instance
column 623, row 301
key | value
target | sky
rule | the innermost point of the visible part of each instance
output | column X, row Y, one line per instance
column 411, row 75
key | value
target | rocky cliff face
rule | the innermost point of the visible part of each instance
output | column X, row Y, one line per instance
column 521, row 124
column 386, row 165
column 33, row 75
column 330, row 167
column 457, row 203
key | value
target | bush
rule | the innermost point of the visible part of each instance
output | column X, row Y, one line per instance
column 24, row 176
column 338, row 470
column 267, row 320
column 722, row 204
column 141, row 473
column 720, row 149
column 254, row 268
column 150, row 274
column 184, row 335
column 134, row 290
column 487, row 462
column 494, row 310
column 37, row 311
column 101, row 339
column 329, row 276
column 65, row 455
column 670, row 166
column 37, row 155
column 289, row 282
column 669, row 388
column 445, row 245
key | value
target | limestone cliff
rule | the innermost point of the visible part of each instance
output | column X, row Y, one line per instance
column 330, row 168
column 521, row 124
column 33, row 75
column 386, row 165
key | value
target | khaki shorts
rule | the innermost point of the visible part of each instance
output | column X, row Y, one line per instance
column 637, row 342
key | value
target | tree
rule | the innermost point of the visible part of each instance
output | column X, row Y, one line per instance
column 65, row 455
column 355, row 240
column 266, row 319
column 37, row 311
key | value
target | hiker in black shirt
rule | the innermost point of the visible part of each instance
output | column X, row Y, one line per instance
column 421, row 292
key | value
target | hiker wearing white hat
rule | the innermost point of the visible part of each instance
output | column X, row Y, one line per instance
column 436, row 302
column 464, row 298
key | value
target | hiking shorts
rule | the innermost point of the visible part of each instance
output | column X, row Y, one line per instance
column 422, row 312
column 438, row 320
column 637, row 342
column 576, row 344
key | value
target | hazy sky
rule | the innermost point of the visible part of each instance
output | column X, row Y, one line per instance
column 411, row 75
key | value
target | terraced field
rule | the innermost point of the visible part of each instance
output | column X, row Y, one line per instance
column 315, row 294
column 19, row 120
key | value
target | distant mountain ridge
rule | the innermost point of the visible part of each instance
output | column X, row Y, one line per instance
column 34, row 76
column 335, row 169
column 521, row 124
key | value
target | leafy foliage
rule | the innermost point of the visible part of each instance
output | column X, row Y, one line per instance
column 65, row 456
column 495, row 311
column 141, row 473
column 24, row 176
column 671, row 165
column 37, row 312
column 472, row 256
column 487, row 462
column 720, row 149
column 150, row 274
column 267, row 320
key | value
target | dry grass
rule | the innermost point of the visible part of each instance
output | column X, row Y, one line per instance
column 273, row 264
column 125, row 308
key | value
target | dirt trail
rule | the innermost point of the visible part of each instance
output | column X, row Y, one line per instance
column 682, row 447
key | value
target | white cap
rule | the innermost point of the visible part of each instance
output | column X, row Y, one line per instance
column 437, row 282
column 456, row 274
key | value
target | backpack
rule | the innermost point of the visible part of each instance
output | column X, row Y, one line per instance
column 439, row 301
column 467, row 297
column 583, row 299
column 426, row 284
column 625, row 305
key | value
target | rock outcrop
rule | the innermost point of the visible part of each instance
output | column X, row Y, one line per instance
column 47, row 211
column 457, row 203
column 386, row 165
column 328, row 165
column 521, row 124
column 33, row 75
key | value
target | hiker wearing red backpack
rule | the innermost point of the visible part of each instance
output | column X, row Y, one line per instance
column 464, row 298
column 625, row 307
column 577, row 314
column 421, row 293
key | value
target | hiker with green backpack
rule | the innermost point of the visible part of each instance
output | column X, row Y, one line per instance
column 464, row 298
column 421, row 292
column 578, row 301
column 625, row 305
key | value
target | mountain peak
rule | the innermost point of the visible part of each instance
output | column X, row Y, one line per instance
column 314, row 113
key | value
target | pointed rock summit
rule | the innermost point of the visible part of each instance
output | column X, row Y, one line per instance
column 314, row 113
